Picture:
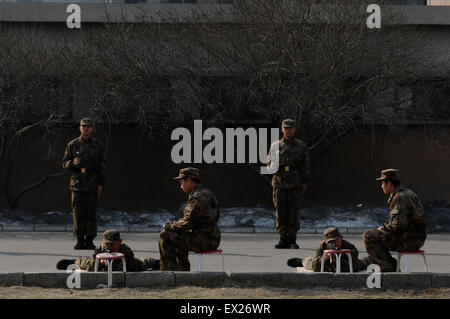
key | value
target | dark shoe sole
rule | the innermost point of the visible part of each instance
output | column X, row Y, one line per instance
column 295, row 262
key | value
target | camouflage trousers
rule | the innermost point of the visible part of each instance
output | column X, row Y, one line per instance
column 88, row 264
column 378, row 246
column 174, row 249
column 287, row 203
column 84, row 208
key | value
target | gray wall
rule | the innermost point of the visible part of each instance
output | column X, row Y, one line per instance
column 140, row 172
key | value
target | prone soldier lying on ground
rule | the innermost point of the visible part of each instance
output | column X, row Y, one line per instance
column 111, row 243
column 332, row 240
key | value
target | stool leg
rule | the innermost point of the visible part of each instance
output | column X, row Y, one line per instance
column 96, row 265
column 110, row 273
column 200, row 263
column 338, row 263
column 425, row 262
column 322, row 264
column 223, row 262
column 124, row 265
column 399, row 257
column 408, row 263
column 350, row 261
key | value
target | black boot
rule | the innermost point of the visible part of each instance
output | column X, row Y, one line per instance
column 295, row 262
column 291, row 242
column 64, row 263
column 283, row 243
column 155, row 264
column 89, row 245
column 80, row 243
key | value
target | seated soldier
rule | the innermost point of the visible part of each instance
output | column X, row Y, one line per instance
column 111, row 243
column 332, row 240
column 197, row 230
column 406, row 229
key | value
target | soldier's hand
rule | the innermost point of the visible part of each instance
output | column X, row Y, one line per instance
column 304, row 187
column 76, row 161
column 99, row 190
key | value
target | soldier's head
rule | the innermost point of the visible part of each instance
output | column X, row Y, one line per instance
column 189, row 178
column 288, row 129
column 333, row 237
column 111, row 239
column 389, row 180
column 86, row 127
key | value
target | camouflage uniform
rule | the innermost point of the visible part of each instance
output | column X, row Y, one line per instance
column 293, row 172
column 84, row 181
column 314, row 263
column 196, row 230
column 132, row 263
column 406, row 229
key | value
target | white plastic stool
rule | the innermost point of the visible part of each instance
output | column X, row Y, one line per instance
column 408, row 259
column 209, row 252
column 338, row 254
column 110, row 257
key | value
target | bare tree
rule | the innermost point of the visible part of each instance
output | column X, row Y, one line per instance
column 314, row 61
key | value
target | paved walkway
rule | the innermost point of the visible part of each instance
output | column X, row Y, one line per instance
column 39, row 251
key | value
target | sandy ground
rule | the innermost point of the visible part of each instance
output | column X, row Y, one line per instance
column 19, row 292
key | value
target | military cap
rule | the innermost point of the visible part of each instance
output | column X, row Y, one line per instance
column 288, row 123
column 189, row 172
column 111, row 236
column 86, row 121
column 389, row 174
column 331, row 234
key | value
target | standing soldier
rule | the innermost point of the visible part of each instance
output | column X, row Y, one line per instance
column 289, row 183
column 405, row 231
column 84, row 159
column 196, row 230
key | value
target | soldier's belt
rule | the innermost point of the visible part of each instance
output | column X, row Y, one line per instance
column 287, row 168
column 86, row 170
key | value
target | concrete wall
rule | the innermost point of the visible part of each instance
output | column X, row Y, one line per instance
column 166, row 279
column 50, row 19
column 140, row 172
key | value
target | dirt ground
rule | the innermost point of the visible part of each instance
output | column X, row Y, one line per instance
column 19, row 292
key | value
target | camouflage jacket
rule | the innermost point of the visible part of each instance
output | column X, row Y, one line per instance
column 408, row 218
column 91, row 171
column 331, row 267
column 200, row 216
column 131, row 262
column 293, row 168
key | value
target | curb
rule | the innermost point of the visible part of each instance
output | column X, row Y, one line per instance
column 158, row 279
column 156, row 229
